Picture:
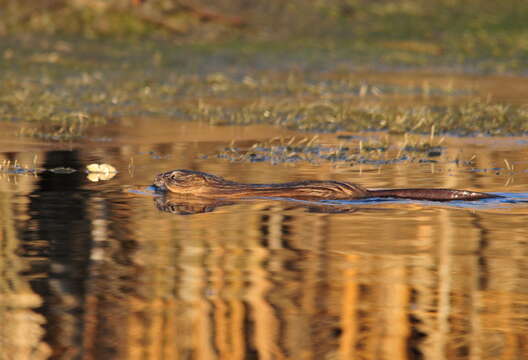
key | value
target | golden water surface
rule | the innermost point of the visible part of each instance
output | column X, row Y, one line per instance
column 94, row 270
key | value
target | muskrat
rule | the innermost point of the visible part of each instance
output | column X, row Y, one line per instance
column 200, row 184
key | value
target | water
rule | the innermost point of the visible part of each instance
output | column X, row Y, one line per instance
column 96, row 270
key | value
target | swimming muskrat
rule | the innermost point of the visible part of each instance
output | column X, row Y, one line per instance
column 200, row 184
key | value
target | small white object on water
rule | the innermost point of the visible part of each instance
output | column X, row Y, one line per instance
column 101, row 168
column 97, row 172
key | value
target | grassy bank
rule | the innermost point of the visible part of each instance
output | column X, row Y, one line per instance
column 101, row 60
column 59, row 88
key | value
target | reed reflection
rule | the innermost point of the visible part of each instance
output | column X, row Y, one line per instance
column 22, row 329
column 268, row 280
column 265, row 279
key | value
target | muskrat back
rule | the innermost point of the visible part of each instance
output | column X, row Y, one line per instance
column 196, row 183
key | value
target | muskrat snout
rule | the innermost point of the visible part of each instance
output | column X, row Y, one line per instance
column 159, row 183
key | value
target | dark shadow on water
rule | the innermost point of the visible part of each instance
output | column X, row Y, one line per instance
column 59, row 232
column 80, row 248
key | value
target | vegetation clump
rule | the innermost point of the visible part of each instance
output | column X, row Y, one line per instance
column 59, row 88
column 367, row 150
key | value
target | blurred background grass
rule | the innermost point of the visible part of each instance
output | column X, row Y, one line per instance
column 403, row 31
column 486, row 27
column 120, row 57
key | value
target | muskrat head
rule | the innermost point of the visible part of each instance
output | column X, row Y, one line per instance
column 186, row 181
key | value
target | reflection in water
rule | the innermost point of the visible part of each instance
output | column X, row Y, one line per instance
column 188, row 205
column 91, row 271
column 56, row 240
column 21, row 328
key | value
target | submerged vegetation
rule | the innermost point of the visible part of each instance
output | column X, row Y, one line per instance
column 374, row 150
column 95, row 172
column 366, row 152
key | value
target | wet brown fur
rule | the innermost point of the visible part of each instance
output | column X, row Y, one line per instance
column 199, row 184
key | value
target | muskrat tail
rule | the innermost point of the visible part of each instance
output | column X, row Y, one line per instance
column 431, row 194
